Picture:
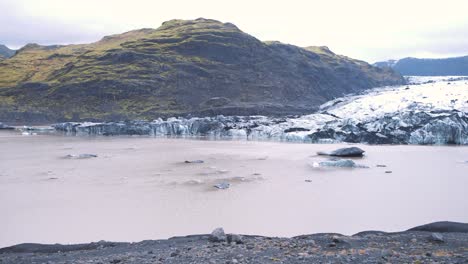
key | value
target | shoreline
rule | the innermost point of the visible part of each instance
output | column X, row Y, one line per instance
column 436, row 242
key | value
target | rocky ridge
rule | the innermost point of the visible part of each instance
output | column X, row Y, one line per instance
column 457, row 66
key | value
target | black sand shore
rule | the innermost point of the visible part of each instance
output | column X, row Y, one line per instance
column 442, row 242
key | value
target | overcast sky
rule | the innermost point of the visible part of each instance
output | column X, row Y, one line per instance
column 371, row 30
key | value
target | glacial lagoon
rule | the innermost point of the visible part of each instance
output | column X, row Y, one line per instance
column 141, row 188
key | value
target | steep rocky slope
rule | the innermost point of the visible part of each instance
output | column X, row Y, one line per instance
column 202, row 67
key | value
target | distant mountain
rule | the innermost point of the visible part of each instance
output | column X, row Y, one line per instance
column 5, row 52
column 199, row 67
column 457, row 66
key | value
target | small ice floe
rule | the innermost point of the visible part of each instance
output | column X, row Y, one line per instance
column 222, row 185
column 194, row 182
column 341, row 163
column 344, row 152
column 26, row 133
column 194, row 161
column 81, row 156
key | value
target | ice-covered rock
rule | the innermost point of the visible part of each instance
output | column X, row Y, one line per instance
column 432, row 111
column 340, row 163
column 222, row 185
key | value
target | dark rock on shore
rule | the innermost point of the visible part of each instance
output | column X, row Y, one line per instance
column 364, row 247
column 218, row 235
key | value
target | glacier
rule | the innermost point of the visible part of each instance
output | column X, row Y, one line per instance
column 429, row 110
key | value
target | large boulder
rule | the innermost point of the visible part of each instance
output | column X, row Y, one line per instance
column 218, row 235
column 344, row 152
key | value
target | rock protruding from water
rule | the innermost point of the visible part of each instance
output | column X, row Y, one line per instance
column 344, row 152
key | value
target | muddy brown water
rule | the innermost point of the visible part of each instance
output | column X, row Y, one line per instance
column 140, row 188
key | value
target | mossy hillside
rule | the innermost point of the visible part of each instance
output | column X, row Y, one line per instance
column 176, row 69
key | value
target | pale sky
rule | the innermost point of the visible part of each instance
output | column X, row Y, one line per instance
column 371, row 30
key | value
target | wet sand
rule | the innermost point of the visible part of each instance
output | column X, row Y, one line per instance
column 140, row 188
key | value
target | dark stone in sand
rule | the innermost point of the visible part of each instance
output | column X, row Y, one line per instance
column 344, row 152
column 443, row 227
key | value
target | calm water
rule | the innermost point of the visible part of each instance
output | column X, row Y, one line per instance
column 139, row 188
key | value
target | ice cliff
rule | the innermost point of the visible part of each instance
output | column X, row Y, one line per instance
column 429, row 111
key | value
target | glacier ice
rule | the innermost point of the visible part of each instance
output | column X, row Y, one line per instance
column 428, row 111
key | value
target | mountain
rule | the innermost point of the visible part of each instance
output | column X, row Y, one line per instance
column 198, row 67
column 5, row 52
column 457, row 66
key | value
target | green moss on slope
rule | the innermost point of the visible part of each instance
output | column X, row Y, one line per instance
column 176, row 69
